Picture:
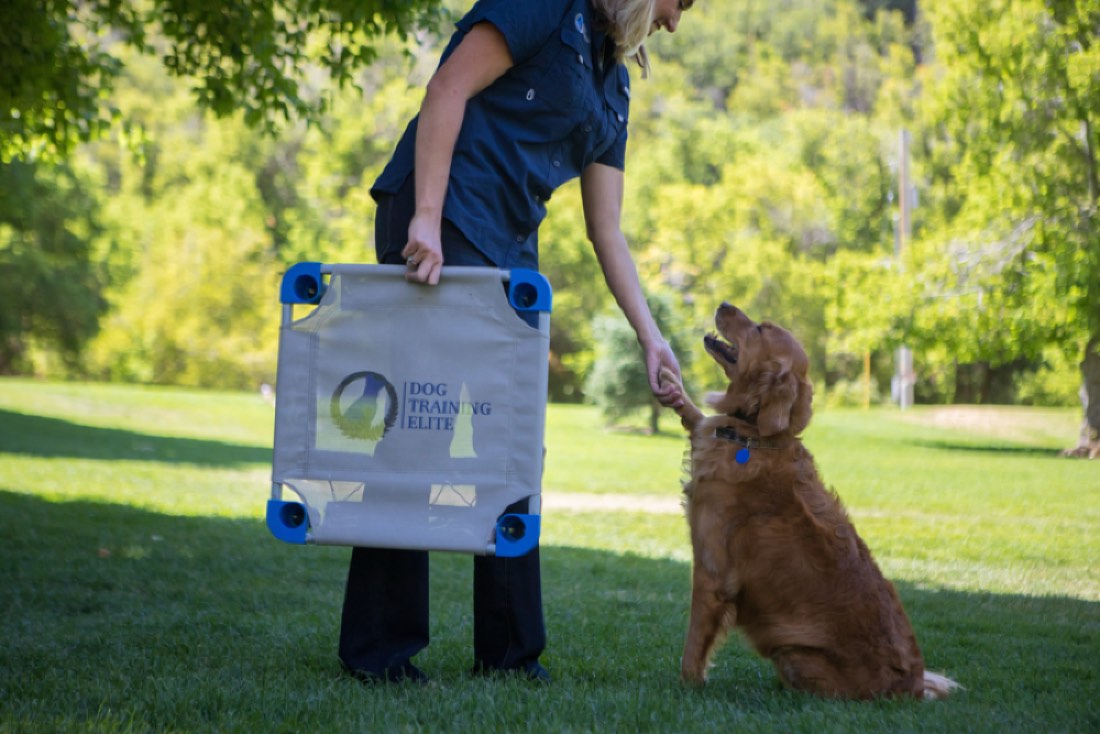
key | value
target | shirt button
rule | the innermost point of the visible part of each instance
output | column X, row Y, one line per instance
column 587, row 128
column 557, row 164
column 580, row 58
column 620, row 117
column 519, row 238
column 530, row 94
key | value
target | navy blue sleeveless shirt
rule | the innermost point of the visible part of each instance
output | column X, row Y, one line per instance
column 562, row 106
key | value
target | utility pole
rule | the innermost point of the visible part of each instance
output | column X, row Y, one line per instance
column 903, row 360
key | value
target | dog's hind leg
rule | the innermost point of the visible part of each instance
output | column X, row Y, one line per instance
column 816, row 671
column 809, row 670
column 711, row 618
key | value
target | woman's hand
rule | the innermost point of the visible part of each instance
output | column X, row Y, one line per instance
column 658, row 356
column 423, row 252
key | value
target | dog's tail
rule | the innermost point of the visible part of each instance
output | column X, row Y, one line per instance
column 938, row 686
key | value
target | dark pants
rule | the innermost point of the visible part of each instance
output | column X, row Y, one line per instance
column 385, row 615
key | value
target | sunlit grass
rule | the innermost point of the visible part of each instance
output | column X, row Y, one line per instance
column 143, row 592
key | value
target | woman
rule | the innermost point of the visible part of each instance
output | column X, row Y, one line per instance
column 527, row 96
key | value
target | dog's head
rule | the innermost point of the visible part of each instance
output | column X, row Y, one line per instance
column 766, row 367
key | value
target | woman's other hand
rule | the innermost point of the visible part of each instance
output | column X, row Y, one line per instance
column 424, row 252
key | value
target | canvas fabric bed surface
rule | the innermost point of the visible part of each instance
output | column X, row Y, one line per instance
column 410, row 416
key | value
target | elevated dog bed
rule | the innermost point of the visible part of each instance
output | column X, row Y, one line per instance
column 410, row 416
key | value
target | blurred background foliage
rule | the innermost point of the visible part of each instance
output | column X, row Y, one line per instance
column 144, row 227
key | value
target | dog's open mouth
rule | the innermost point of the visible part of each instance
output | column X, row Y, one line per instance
column 720, row 348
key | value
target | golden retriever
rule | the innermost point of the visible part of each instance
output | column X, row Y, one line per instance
column 775, row 554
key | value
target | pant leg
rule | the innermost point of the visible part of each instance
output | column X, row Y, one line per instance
column 385, row 617
column 509, row 629
column 385, row 613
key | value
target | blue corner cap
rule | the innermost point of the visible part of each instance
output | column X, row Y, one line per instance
column 517, row 535
column 288, row 521
column 529, row 290
column 302, row 283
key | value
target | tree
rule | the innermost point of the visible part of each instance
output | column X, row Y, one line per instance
column 62, row 57
column 50, row 280
column 618, row 383
column 204, row 270
column 863, row 317
column 193, row 213
column 181, row 223
column 771, row 161
column 567, row 259
column 1009, row 261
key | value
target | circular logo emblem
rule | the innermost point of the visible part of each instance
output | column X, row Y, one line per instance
column 371, row 413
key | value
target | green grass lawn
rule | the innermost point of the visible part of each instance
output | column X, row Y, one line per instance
column 141, row 590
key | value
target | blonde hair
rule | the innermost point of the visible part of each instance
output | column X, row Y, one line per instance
column 629, row 23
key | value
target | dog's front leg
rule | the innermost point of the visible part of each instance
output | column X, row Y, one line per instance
column 689, row 414
column 711, row 618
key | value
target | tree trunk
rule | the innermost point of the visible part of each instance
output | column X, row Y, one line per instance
column 966, row 388
column 1088, row 444
column 10, row 351
column 654, row 418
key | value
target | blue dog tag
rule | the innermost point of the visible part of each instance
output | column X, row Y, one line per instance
column 742, row 456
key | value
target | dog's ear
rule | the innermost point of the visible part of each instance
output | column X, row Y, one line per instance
column 785, row 403
column 776, row 403
column 802, row 409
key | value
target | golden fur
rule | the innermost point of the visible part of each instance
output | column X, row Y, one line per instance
column 775, row 554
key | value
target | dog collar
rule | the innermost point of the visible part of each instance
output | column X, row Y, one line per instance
column 746, row 442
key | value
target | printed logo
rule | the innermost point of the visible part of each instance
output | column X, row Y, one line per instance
column 371, row 413
column 440, row 408
column 430, row 406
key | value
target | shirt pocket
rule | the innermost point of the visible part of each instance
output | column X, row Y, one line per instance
column 560, row 87
column 618, row 98
column 575, row 61
column 610, row 147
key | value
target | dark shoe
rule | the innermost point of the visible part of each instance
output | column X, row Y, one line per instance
column 407, row 673
column 536, row 673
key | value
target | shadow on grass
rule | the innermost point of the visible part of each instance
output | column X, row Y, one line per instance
column 189, row 623
column 1002, row 449
column 34, row 435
